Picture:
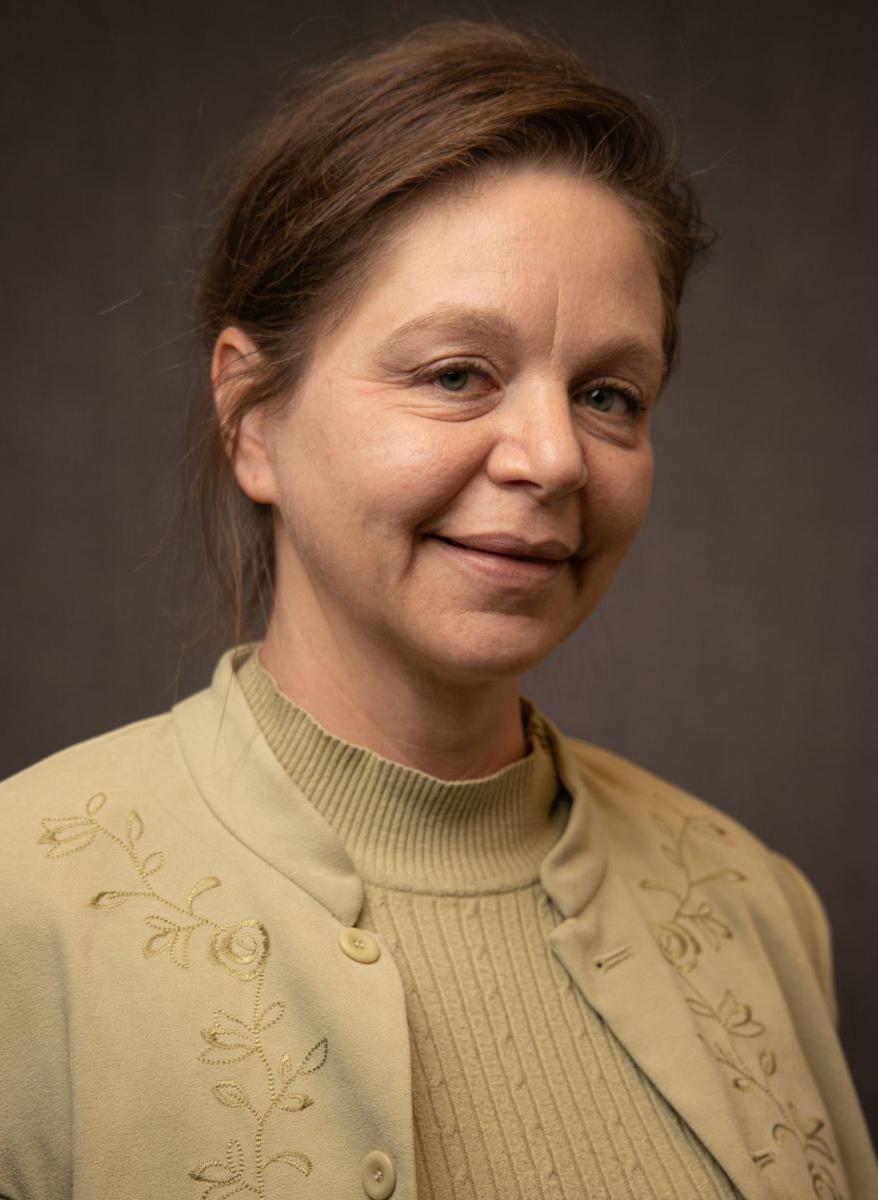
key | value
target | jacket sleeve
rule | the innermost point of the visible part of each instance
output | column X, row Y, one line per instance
column 35, row 1062
column 810, row 917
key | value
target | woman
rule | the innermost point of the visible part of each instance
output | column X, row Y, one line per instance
column 358, row 918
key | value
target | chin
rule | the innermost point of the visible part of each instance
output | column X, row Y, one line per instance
column 493, row 655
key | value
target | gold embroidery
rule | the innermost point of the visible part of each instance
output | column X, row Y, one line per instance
column 682, row 938
column 241, row 949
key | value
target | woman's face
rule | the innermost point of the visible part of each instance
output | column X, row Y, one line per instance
column 496, row 378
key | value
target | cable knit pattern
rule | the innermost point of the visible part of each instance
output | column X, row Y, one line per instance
column 520, row 1090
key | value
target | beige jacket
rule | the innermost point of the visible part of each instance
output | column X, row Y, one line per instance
column 185, row 1011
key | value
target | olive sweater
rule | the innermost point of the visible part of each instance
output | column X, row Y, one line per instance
column 298, row 969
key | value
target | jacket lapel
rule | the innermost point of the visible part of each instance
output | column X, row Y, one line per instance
column 611, row 957
column 606, row 947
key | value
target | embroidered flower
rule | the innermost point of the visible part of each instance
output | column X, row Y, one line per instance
column 63, row 835
column 241, row 949
column 677, row 944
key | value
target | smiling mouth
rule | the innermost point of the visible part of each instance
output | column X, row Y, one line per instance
column 525, row 558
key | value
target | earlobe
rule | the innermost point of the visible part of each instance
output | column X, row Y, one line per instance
column 246, row 445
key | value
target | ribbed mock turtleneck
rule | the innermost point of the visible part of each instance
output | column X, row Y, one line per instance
column 519, row 1089
column 408, row 830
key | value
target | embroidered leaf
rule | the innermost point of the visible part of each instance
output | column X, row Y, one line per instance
column 286, row 1070
column 707, row 827
column 226, row 1039
column 295, row 1103
column 220, row 1014
column 671, row 855
column 203, row 885
column 726, row 875
column 738, row 1018
column 232, row 1095
column 652, row 885
column 61, row 828
column 779, row 1131
column 272, row 1014
column 180, row 950
column 747, row 1028
column 154, row 862
column 823, row 1182
column 742, row 1084
column 213, row 1172
column 318, row 1055
column 764, row 1159
column 135, row 827
column 235, row 1157
column 293, row 1158
column 108, row 899
column 700, row 1007
column 95, row 803
column 159, row 942
column 663, row 826
column 215, row 1056
column 815, row 1141
column 156, row 921
column 767, row 1062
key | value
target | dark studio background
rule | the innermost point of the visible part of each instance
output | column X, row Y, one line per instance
column 736, row 654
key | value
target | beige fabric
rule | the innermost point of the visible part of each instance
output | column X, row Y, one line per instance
column 519, row 1088
column 179, row 1017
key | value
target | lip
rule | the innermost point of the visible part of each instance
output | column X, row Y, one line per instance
column 503, row 569
column 510, row 544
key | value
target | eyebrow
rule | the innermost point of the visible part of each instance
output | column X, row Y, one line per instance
column 492, row 326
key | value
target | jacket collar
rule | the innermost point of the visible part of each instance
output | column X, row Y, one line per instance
column 248, row 790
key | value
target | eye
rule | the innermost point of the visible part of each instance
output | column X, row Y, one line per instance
column 603, row 397
column 453, row 380
column 459, row 378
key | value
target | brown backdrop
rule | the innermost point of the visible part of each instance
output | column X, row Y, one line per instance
column 736, row 654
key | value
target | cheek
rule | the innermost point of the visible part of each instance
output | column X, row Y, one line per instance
column 618, row 493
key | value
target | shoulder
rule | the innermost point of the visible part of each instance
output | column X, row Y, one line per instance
column 655, row 824
column 50, row 809
column 114, row 757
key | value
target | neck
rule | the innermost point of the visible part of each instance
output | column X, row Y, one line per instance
column 355, row 690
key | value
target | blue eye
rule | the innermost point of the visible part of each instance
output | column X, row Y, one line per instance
column 607, row 395
column 604, row 396
column 458, row 377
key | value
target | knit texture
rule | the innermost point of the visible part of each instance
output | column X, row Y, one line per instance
column 519, row 1089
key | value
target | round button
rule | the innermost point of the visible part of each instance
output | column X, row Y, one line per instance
column 360, row 946
column 379, row 1175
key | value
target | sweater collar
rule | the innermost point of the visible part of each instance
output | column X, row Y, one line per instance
column 404, row 828
column 244, row 784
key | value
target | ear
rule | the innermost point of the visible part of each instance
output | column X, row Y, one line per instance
column 233, row 353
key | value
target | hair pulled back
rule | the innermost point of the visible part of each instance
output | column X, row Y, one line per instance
column 323, row 182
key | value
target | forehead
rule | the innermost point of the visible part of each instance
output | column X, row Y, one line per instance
column 549, row 258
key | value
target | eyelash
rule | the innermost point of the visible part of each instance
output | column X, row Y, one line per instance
column 634, row 404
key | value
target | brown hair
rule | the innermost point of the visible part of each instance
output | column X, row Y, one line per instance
column 327, row 177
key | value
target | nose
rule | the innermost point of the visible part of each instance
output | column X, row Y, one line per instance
column 538, row 442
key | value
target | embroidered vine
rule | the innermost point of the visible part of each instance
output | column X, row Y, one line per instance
column 692, row 927
column 240, row 948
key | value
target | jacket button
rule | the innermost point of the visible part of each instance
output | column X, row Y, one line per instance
column 361, row 947
column 379, row 1175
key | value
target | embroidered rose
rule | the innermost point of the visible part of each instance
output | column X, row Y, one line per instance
column 241, row 949
column 677, row 945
